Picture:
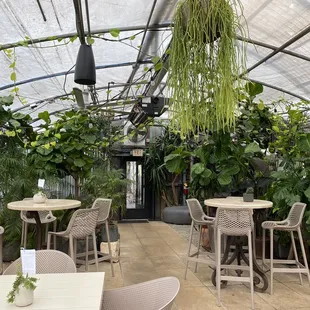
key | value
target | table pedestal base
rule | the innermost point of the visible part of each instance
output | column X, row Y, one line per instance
column 260, row 279
column 36, row 217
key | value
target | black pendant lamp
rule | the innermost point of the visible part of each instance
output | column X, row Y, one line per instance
column 85, row 69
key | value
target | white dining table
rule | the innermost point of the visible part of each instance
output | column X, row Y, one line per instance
column 62, row 291
column 34, row 208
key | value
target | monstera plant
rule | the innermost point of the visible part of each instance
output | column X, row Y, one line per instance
column 205, row 63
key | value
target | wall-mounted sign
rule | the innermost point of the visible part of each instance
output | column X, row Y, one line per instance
column 137, row 152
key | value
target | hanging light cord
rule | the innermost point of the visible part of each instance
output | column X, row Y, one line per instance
column 87, row 17
column 79, row 20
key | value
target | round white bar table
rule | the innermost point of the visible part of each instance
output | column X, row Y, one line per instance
column 237, row 202
column 260, row 284
column 49, row 205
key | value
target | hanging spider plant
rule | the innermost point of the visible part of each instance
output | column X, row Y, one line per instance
column 205, row 60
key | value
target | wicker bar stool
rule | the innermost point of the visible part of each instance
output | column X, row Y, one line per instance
column 82, row 224
column 104, row 206
column 46, row 217
column 199, row 218
column 233, row 222
column 291, row 224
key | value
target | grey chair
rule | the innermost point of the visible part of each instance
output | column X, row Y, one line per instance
column 47, row 261
column 291, row 224
column 157, row 294
column 104, row 207
column 233, row 222
column 199, row 218
column 1, row 249
column 82, row 224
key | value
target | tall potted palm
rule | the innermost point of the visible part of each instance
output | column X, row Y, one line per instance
column 205, row 61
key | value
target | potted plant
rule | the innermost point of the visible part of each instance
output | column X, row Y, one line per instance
column 22, row 292
column 248, row 196
column 39, row 197
column 205, row 65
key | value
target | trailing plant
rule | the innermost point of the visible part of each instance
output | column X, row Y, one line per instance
column 205, row 63
column 21, row 280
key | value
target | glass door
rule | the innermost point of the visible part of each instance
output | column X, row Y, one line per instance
column 135, row 196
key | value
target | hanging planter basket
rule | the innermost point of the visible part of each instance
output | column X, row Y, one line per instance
column 205, row 61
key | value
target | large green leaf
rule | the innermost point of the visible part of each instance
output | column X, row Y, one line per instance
column 206, row 173
column 307, row 192
column 44, row 151
column 281, row 175
column 253, row 89
column 79, row 162
column 252, row 148
column 175, row 163
column 233, row 170
column 224, row 179
column 303, row 143
column 44, row 116
column 198, row 168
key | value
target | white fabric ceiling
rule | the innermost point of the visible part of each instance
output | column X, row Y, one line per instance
column 41, row 67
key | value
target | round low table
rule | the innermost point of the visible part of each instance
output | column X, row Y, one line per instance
column 261, row 284
column 34, row 208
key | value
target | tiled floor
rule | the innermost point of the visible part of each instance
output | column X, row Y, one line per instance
column 153, row 250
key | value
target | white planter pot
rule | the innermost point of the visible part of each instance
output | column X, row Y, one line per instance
column 24, row 297
column 38, row 198
column 115, row 249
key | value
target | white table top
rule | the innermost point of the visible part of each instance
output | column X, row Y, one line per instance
column 63, row 291
column 237, row 202
column 48, row 205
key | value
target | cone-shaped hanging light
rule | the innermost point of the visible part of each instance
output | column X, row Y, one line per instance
column 85, row 69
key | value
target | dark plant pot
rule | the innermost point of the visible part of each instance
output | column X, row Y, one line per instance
column 281, row 251
column 113, row 231
column 248, row 197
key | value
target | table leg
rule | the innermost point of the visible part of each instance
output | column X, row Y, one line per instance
column 36, row 217
column 260, row 279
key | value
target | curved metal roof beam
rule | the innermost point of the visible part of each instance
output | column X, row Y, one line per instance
column 74, row 34
column 44, row 77
column 279, row 89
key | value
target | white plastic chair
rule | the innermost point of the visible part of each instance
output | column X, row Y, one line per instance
column 104, row 206
column 47, row 261
column 157, row 294
column 82, row 224
column 234, row 222
column 46, row 217
column 199, row 218
column 291, row 223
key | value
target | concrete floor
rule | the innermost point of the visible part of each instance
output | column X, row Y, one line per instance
column 153, row 250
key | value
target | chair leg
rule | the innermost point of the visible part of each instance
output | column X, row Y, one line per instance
column 251, row 267
column 296, row 256
column 25, row 235
column 109, row 246
column 271, row 261
column 86, row 254
column 71, row 247
column 95, row 250
column 46, row 231
column 189, row 248
column 218, row 265
column 23, row 232
column 54, row 229
column 200, row 232
column 264, row 249
column 75, row 248
column 304, row 256
column 48, row 241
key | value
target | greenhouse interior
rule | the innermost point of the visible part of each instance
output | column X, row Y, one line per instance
column 154, row 154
